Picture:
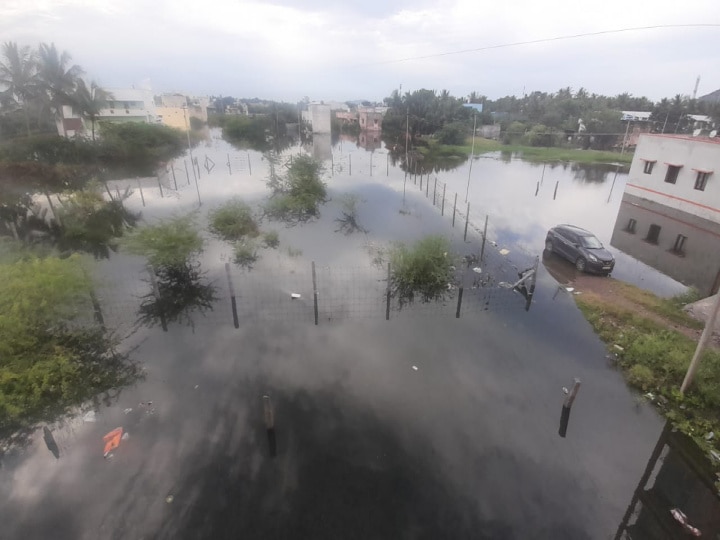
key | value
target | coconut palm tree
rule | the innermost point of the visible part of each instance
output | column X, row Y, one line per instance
column 90, row 100
column 18, row 74
column 58, row 79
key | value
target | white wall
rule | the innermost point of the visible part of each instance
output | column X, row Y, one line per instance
column 691, row 154
column 320, row 118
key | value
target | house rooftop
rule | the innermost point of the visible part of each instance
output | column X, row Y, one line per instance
column 712, row 140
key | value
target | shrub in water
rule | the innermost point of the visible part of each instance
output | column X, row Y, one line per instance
column 423, row 270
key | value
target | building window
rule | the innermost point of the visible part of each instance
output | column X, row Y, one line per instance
column 653, row 234
column 679, row 246
column 647, row 169
column 631, row 226
column 701, row 180
column 672, row 174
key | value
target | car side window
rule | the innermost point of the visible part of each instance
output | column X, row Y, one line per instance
column 570, row 237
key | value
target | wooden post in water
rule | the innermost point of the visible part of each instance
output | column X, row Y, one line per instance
column 460, row 295
column 467, row 220
column 387, row 296
column 249, row 164
column 315, row 293
column 565, row 414
column 158, row 299
column 187, row 174
column 482, row 249
column 442, row 210
column 454, row 208
column 160, row 186
column 172, row 168
column 137, row 179
column 233, row 302
column 435, row 191
column 556, row 186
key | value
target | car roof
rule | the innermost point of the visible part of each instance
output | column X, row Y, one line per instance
column 577, row 230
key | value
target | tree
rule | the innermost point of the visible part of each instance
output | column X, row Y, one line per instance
column 18, row 74
column 91, row 100
column 58, row 79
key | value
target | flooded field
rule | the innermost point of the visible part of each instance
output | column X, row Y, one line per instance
column 337, row 413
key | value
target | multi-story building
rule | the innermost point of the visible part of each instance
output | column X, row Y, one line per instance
column 175, row 110
column 129, row 105
column 670, row 214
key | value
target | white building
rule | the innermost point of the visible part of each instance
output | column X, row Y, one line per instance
column 318, row 114
column 129, row 105
column 678, row 171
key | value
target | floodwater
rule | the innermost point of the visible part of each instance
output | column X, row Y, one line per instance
column 426, row 425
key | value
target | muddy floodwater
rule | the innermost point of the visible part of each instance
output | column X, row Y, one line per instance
column 430, row 421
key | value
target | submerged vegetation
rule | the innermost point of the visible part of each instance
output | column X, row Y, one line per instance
column 422, row 271
column 233, row 221
column 348, row 219
column 298, row 195
column 169, row 242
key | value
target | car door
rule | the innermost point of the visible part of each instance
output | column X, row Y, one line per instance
column 566, row 244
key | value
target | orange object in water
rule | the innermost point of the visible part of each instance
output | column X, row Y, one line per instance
column 112, row 440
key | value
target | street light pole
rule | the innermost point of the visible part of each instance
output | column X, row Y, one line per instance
column 472, row 158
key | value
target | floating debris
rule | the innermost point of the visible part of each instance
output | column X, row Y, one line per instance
column 618, row 347
column 294, row 295
column 128, row 410
column 125, row 436
column 415, row 368
column 112, row 440
column 89, row 417
column 169, row 499
column 569, row 289
column 504, row 251
column 565, row 390
column 477, row 270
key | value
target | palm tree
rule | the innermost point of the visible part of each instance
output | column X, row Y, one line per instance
column 18, row 74
column 58, row 79
column 90, row 100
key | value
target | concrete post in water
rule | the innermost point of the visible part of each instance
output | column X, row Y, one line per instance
column 482, row 249
column 435, row 191
column 467, row 220
column 233, row 302
column 172, row 168
column 442, row 210
column 249, row 164
column 459, row 304
column 567, row 405
column 142, row 197
column 387, row 295
column 556, row 186
column 160, row 186
column 315, row 293
column 158, row 299
column 454, row 209
column 704, row 338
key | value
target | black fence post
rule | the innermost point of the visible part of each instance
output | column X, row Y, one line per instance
column 567, row 405
column 467, row 220
column 537, row 188
column 172, row 168
column 556, row 186
column 460, row 295
column 160, row 186
column 229, row 166
column 387, row 165
column 141, row 191
column 350, row 163
column 233, row 302
column 187, row 174
column 435, row 191
column 442, row 211
column 482, row 249
column 332, row 164
column 249, row 164
column 420, row 181
column 315, row 293
column 387, row 296
column 427, row 186
column 454, row 209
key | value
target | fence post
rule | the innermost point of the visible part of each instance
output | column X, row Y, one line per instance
column 454, row 209
column 229, row 166
column 172, row 168
column 160, row 186
column 482, row 249
column 371, row 156
column 467, row 220
column 567, row 405
column 387, row 165
column 556, row 186
column 537, row 188
column 442, row 211
column 332, row 164
column 420, row 181
column 387, row 295
column 460, row 295
column 350, row 162
column 137, row 179
column 233, row 303
column 427, row 186
column 249, row 164
column 158, row 299
column 435, row 191
column 197, row 188
column 197, row 166
column 187, row 174
column 315, row 294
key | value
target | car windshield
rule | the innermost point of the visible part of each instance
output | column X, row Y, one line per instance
column 590, row 242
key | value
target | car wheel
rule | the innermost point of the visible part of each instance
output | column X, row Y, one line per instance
column 580, row 264
column 548, row 246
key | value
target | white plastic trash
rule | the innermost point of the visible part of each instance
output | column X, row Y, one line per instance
column 477, row 270
column 294, row 295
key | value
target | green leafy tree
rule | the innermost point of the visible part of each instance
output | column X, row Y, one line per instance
column 58, row 78
column 18, row 76
column 170, row 242
column 90, row 100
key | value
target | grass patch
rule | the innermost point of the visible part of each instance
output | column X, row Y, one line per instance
column 292, row 252
column 669, row 308
column 245, row 254
column 655, row 359
column 271, row 239
column 233, row 220
column 542, row 154
column 422, row 271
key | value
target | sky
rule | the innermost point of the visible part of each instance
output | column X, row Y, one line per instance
column 289, row 49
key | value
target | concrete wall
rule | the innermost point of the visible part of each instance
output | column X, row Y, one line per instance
column 173, row 117
column 319, row 117
column 370, row 120
column 691, row 154
column 699, row 263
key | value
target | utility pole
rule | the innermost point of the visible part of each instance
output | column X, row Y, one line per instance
column 187, row 131
column 704, row 338
column 697, row 83
column 665, row 123
column 472, row 158
column 407, row 132
column 627, row 129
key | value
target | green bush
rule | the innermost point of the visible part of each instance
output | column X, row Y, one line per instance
column 453, row 134
column 245, row 254
column 423, row 271
column 137, row 148
column 271, row 239
column 233, row 220
column 247, row 132
column 299, row 194
column 170, row 242
column 641, row 376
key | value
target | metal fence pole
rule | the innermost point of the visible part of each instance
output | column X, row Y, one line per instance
column 233, row 303
column 160, row 186
column 435, row 191
column 442, row 210
column 459, row 304
column 315, row 293
column 350, row 162
column 229, row 166
column 467, row 220
column 427, row 186
column 172, row 168
column 454, row 209
column 187, row 174
column 482, row 249
column 556, row 186
column 141, row 191
column 567, row 405
column 387, row 295
column 249, row 164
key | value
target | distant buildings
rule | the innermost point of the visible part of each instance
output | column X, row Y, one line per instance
column 370, row 119
column 176, row 110
column 670, row 214
column 318, row 116
column 129, row 105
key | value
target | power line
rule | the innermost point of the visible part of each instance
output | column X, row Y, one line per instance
column 544, row 40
